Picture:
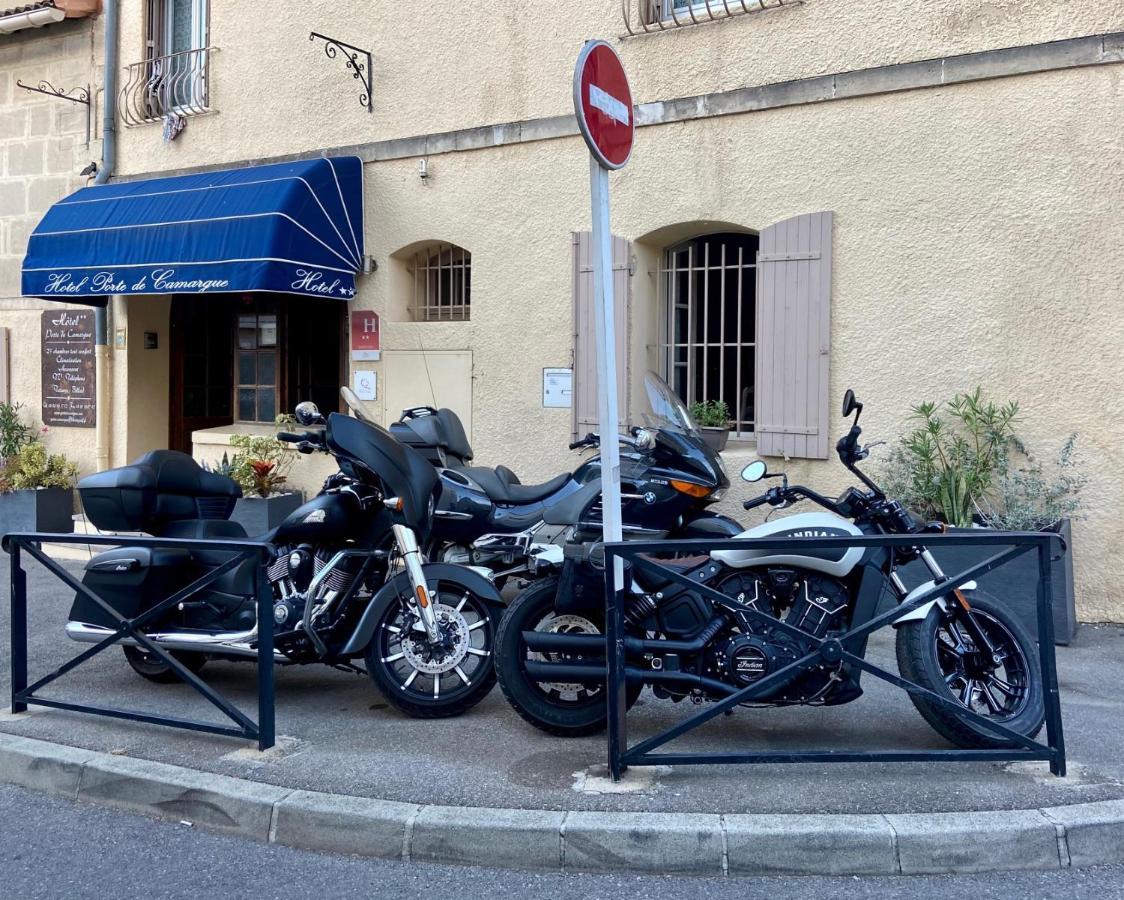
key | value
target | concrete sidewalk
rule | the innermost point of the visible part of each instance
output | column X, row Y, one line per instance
column 351, row 769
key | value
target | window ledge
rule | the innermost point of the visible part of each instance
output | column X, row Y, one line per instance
column 739, row 449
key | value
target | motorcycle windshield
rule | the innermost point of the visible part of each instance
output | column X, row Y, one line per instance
column 668, row 411
column 403, row 472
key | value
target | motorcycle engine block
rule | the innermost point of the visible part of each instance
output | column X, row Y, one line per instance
column 813, row 603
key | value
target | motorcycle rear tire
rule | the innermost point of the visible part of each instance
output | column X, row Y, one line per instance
column 920, row 661
column 557, row 717
column 151, row 667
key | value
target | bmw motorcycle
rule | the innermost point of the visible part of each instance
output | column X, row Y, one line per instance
column 348, row 578
column 487, row 517
column 966, row 645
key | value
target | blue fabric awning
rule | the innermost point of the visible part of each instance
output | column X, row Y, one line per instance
column 294, row 228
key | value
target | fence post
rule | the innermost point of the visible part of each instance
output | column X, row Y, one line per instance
column 1047, row 659
column 615, row 683
column 266, row 723
column 19, row 629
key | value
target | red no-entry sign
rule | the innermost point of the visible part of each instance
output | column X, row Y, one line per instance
column 603, row 103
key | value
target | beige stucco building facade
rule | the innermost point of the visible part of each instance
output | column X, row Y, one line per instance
column 970, row 153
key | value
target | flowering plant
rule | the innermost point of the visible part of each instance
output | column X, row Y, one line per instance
column 261, row 465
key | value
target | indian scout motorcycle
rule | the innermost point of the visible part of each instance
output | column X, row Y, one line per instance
column 966, row 645
column 486, row 517
column 346, row 572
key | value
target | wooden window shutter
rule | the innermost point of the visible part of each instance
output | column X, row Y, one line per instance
column 5, row 370
column 585, row 340
column 794, row 337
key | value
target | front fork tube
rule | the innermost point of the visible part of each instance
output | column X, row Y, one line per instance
column 411, row 556
column 959, row 608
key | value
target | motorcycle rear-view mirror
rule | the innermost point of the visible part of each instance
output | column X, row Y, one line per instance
column 308, row 413
column 755, row 471
column 850, row 404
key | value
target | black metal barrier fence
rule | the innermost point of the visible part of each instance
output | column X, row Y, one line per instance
column 830, row 649
column 130, row 629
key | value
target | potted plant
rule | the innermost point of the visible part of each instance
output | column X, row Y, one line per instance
column 36, row 488
column 964, row 465
column 261, row 466
column 713, row 417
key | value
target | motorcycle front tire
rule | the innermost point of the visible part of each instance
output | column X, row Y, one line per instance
column 924, row 659
column 397, row 683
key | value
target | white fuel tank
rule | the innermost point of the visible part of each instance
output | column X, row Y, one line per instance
column 836, row 562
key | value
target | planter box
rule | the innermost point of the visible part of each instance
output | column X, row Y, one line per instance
column 1016, row 583
column 50, row 510
column 261, row 514
column 717, row 438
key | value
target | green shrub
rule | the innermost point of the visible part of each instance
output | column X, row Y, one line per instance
column 711, row 414
column 1030, row 496
column 33, row 468
column 15, row 433
column 964, row 463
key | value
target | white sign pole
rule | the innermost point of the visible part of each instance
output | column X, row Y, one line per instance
column 608, row 415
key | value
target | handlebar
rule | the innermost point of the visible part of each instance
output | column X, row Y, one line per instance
column 778, row 496
column 309, row 442
column 593, row 439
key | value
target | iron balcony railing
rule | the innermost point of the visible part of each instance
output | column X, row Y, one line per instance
column 645, row 16
column 177, row 83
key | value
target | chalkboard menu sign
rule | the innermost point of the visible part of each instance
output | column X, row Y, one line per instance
column 69, row 397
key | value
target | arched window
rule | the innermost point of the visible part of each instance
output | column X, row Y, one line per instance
column 707, row 331
column 442, row 284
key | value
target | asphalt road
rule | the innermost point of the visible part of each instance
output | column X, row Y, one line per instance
column 339, row 736
column 52, row 848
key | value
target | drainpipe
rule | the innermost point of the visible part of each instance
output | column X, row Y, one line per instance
column 105, row 172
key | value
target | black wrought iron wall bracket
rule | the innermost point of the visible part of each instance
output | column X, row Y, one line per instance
column 81, row 95
column 352, row 56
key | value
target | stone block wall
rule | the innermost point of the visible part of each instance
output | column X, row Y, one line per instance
column 42, row 149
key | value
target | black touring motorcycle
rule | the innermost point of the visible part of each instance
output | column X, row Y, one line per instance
column 488, row 517
column 965, row 646
column 348, row 579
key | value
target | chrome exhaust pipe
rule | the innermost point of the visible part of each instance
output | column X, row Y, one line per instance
column 236, row 643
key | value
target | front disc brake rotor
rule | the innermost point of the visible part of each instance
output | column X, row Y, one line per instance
column 437, row 660
column 567, row 624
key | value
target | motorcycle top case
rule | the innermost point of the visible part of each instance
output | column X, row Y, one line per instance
column 161, row 487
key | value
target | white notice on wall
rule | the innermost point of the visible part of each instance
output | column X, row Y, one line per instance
column 366, row 385
column 557, row 388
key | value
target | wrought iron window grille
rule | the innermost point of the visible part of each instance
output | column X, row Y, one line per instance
column 80, row 95
column 707, row 326
column 352, row 55
column 442, row 284
column 178, row 83
column 653, row 16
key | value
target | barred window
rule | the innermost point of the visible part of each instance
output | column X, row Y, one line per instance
column 707, row 338
column 442, row 284
column 642, row 16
